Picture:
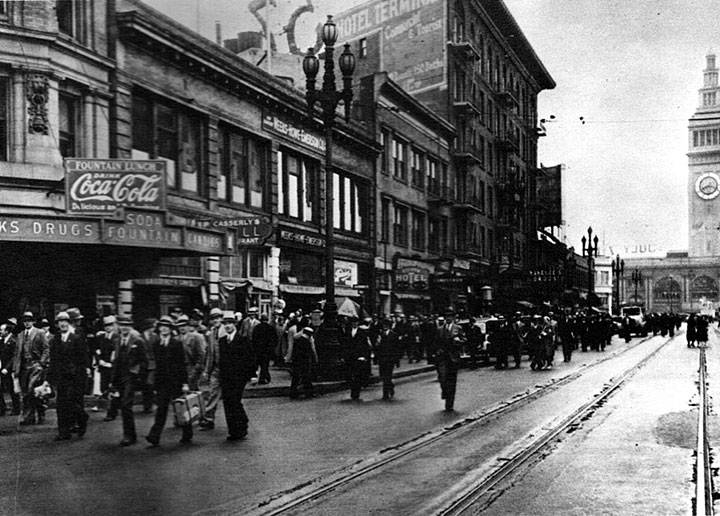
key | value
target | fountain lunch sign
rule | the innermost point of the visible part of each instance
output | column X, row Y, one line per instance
column 104, row 186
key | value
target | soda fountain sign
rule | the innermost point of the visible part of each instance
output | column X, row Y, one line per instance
column 103, row 186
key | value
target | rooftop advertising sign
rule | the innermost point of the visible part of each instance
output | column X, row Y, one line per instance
column 413, row 38
column 103, row 186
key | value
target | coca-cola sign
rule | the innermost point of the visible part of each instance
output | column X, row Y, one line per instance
column 103, row 186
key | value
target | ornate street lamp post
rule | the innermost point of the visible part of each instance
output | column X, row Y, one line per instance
column 637, row 278
column 590, row 246
column 618, row 268
column 329, row 97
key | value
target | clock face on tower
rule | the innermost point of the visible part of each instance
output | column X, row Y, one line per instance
column 707, row 186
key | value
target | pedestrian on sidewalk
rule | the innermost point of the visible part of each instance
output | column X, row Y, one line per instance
column 303, row 358
column 128, row 368
column 356, row 343
column 7, row 350
column 237, row 363
column 263, row 342
column 171, row 380
column 31, row 358
column 67, row 373
column 150, row 339
column 387, row 350
column 211, row 373
column 449, row 342
column 107, row 342
column 194, row 345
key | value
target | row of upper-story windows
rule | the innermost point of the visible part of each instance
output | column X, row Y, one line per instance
column 706, row 137
column 709, row 99
column 404, row 162
column 410, row 227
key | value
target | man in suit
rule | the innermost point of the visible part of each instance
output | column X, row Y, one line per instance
column 104, row 354
column 128, row 368
column 171, row 379
column 449, row 339
column 194, row 345
column 67, row 373
column 211, row 372
column 150, row 339
column 7, row 350
column 237, row 363
column 356, row 343
column 387, row 350
column 31, row 358
column 263, row 342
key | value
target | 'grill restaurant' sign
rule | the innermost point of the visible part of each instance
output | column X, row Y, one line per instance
column 102, row 186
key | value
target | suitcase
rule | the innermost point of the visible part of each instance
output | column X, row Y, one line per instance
column 189, row 408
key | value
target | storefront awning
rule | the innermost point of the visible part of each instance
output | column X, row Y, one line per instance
column 255, row 283
column 346, row 292
column 410, row 295
column 307, row 290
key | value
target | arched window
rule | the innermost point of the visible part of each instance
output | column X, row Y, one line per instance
column 704, row 287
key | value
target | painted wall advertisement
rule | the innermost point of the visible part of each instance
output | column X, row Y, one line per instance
column 346, row 273
column 413, row 38
column 103, row 186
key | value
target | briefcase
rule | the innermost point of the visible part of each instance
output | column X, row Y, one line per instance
column 189, row 408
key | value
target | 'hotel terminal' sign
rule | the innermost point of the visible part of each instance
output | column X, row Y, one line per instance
column 103, row 186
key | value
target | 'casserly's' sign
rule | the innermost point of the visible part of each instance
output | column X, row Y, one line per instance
column 102, row 186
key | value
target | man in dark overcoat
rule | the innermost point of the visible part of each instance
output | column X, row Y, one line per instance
column 211, row 371
column 7, row 351
column 128, row 369
column 449, row 339
column 387, row 351
column 237, row 363
column 356, row 344
column 171, row 379
column 263, row 342
column 67, row 373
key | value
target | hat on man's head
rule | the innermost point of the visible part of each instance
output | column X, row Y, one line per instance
column 166, row 320
column 74, row 314
column 125, row 320
column 215, row 312
column 450, row 311
column 44, row 323
column 146, row 324
column 62, row 316
column 28, row 316
column 12, row 321
column 308, row 330
column 183, row 320
column 109, row 319
column 441, row 319
column 238, row 316
column 253, row 310
column 229, row 316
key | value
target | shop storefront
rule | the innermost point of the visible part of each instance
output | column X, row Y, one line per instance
column 301, row 269
column 411, row 285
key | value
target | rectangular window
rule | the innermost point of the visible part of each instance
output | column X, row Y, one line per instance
column 491, row 194
column 432, row 176
column 443, row 235
column 167, row 132
column 400, row 226
column 418, row 230
column 350, row 202
column 71, row 18
column 243, row 161
column 385, row 220
column 418, row 168
column 362, row 50
column 433, row 235
column 4, row 107
column 68, row 125
column 298, row 197
column 385, row 142
column 399, row 156
column 3, row 8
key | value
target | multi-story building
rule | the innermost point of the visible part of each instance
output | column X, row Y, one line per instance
column 228, row 210
column 469, row 62
column 413, row 199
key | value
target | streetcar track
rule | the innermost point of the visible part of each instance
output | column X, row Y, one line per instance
column 315, row 489
column 702, row 503
column 483, row 492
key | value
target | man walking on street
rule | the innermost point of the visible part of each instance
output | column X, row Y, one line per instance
column 150, row 340
column 194, row 345
column 67, row 373
column 448, row 358
column 7, row 350
column 31, row 358
column 128, row 368
column 357, row 348
column 387, row 351
column 238, row 363
column 170, row 380
column 211, row 372
column 263, row 342
column 302, row 356
column 105, row 354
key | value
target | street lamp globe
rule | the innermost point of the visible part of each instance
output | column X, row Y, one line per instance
column 347, row 61
column 329, row 32
column 311, row 64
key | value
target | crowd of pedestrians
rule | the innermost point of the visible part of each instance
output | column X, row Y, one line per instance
column 223, row 351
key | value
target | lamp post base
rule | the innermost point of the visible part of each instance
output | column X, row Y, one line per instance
column 329, row 349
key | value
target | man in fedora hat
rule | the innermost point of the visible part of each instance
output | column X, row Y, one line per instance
column 67, row 373
column 211, row 371
column 128, row 369
column 7, row 350
column 447, row 360
column 31, row 358
column 106, row 343
column 303, row 359
column 194, row 345
column 237, row 363
column 150, row 339
column 170, row 379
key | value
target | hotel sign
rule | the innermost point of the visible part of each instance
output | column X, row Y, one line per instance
column 277, row 125
column 104, row 186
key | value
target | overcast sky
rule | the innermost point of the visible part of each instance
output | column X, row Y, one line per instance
column 631, row 68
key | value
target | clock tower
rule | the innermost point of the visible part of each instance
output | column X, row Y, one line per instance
column 704, row 167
